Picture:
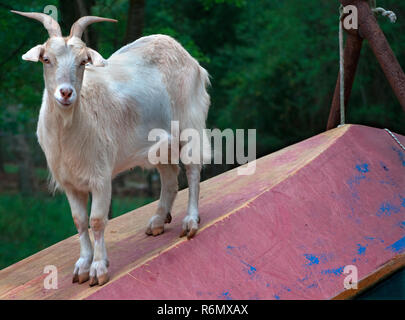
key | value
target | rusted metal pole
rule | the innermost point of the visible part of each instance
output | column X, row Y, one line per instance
column 370, row 30
column 351, row 57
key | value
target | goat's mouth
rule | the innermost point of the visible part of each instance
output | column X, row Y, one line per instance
column 65, row 96
column 64, row 103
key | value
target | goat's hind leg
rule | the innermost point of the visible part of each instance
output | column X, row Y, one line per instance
column 191, row 221
column 168, row 192
column 78, row 204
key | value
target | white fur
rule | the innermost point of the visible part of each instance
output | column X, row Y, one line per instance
column 143, row 86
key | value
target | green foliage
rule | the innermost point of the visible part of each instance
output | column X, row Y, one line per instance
column 30, row 224
column 208, row 4
column 281, row 70
column 274, row 62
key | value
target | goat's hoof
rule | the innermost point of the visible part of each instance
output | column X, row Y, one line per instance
column 190, row 234
column 93, row 281
column 190, row 227
column 103, row 279
column 99, row 280
column 157, row 231
column 168, row 218
column 81, row 271
column 81, row 278
column 156, row 224
column 99, row 272
column 84, row 277
column 75, row 278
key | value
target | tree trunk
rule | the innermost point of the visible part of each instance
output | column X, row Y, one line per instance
column 136, row 16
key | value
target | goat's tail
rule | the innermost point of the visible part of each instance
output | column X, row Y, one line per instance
column 195, row 113
column 206, row 154
column 198, row 112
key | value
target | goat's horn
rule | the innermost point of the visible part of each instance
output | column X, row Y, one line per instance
column 80, row 25
column 49, row 23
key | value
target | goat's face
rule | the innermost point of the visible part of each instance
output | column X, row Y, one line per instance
column 64, row 61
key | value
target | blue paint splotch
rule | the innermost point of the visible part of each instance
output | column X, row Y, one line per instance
column 336, row 272
column 361, row 250
column 305, row 278
column 251, row 270
column 277, row 297
column 286, row 288
column 401, row 155
column 226, row 295
column 363, row 168
column 316, row 259
column 374, row 239
column 355, row 180
column 398, row 246
column 312, row 285
column 312, row 259
column 387, row 209
column 388, row 182
column 247, row 267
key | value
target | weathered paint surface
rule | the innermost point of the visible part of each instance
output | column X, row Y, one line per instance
column 286, row 232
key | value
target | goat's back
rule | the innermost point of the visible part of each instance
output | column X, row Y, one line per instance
column 184, row 79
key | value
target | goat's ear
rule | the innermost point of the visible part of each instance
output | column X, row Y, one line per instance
column 34, row 54
column 95, row 58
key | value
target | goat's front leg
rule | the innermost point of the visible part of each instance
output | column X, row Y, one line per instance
column 168, row 192
column 191, row 221
column 78, row 204
column 98, row 221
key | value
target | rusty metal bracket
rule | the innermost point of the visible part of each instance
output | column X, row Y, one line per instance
column 371, row 31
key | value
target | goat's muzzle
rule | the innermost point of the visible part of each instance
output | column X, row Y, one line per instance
column 65, row 95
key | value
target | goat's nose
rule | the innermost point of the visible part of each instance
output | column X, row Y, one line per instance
column 66, row 92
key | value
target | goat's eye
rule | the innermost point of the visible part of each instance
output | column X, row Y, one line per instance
column 46, row 60
column 84, row 62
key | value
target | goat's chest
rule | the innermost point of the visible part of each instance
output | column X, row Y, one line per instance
column 70, row 159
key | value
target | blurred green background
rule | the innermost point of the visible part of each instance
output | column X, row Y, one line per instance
column 273, row 65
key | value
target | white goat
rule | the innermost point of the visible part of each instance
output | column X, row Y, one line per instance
column 95, row 119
